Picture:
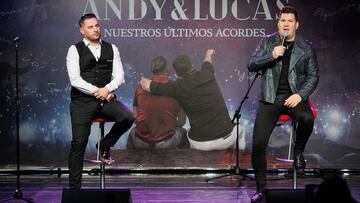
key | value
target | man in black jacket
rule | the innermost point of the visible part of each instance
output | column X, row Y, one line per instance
column 289, row 75
column 95, row 72
column 199, row 94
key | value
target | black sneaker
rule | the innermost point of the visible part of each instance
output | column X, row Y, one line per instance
column 105, row 156
column 299, row 163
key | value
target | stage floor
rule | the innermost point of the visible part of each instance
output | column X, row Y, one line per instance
column 160, row 188
column 179, row 176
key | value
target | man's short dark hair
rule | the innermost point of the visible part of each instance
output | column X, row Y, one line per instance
column 158, row 65
column 85, row 17
column 182, row 64
column 289, row 9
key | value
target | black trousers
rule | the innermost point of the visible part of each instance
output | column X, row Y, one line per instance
column 82, row 115
column 266, row 119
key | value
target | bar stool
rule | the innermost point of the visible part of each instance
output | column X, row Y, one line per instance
column 286, row 118
column 101, row 122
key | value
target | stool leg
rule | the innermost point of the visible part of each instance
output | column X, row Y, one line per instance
column 293, row 140
column 98, row 149
column 294, row 179
column 290, row 143
column 102, row 176
column 102, row 165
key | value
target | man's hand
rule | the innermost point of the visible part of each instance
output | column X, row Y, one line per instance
column 278, row 51
column 145, row 84
column 210, row 53
column 102, row 93
column 293, row 101
column 110, row 97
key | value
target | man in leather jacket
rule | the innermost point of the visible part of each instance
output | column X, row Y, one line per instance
column 289, row 75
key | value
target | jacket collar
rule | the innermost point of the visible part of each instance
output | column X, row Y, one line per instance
column 297, row 51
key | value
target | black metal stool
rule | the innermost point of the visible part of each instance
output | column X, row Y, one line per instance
column 101, row 122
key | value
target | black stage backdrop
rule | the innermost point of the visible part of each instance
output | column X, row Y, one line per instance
column 143, row 29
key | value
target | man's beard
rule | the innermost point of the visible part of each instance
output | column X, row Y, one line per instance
column 95, row 38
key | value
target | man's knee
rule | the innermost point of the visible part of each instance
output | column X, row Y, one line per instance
column 306, row 119
column 128, row 122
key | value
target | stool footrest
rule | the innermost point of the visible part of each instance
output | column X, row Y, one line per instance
column 110, row 162
column 93, row 161
column 285, row 160
column 96, row 161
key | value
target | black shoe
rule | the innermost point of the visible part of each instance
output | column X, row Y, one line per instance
column 257, row 197
column 105, row 156
column 299, row 163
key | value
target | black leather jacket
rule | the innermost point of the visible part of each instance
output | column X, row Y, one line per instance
column 303, row 68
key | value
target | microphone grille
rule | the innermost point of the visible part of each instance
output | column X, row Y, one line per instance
column 16, row 39
column 285, row 34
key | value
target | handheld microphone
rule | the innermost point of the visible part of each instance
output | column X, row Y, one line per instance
column 283, row 37
column 16, row 41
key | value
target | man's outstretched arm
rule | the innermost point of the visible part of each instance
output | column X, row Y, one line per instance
column 162, row 89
